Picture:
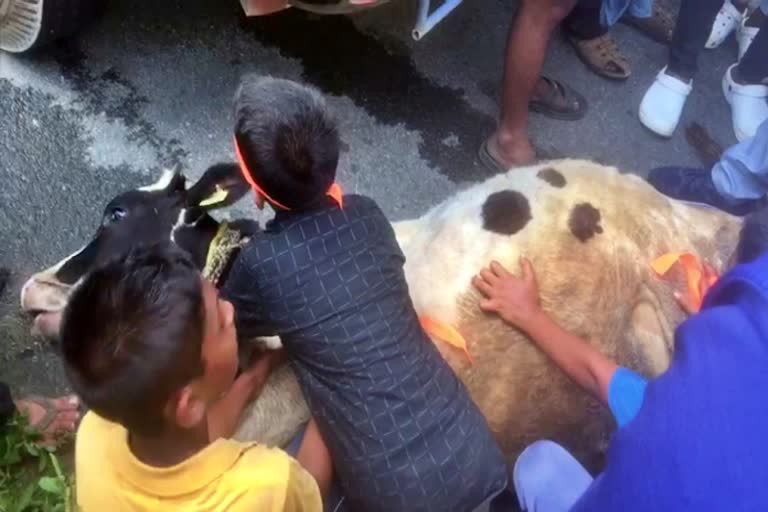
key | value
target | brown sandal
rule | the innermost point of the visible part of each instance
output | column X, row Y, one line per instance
column 603, row 56
column 659, row 26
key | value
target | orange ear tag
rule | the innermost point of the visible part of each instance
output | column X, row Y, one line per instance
column 336, row 194
column 691, row 267
column 445, row 333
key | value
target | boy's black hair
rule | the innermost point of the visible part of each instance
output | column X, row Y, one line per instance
column 132, row 335
column 753, row 239
column 287, row 138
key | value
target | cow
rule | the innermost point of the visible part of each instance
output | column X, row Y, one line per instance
column 590, row 231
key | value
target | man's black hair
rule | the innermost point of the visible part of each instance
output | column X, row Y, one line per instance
column 753, row 239
column 288, row 139
column 132, row 335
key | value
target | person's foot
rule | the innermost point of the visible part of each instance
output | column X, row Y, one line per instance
column 749, row 103
column 728, row 20
column 663, row 103
column 603, row 56
column 52, row 418
column 696, row 186
column 747, row 31
column 557, row 100
column 514, row 152
column 659, row 26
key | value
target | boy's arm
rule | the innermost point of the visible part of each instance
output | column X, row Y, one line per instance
column 224, row 415
column 516, row 300
column 314, row 456
column 578, row 359
column 241, row 288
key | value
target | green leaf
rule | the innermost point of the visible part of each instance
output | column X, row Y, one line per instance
column 26, row 498
column 32, row 449
column 42, row 464
column 50, row 484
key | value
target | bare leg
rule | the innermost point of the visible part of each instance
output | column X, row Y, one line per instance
column 526, row 48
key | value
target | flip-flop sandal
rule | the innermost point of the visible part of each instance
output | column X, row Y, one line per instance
column 490, row 162
column 602, row 55
column 572, row 107
column 659, row 26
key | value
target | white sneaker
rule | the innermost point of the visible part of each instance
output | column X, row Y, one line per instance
column 663, row 103
column 744, row 36
column 749, row 105
column 728, row 19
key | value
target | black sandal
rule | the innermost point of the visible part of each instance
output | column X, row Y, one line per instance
column 491, row 163
column 550, row 106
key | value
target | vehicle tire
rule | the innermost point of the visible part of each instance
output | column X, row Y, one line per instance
column 29, row 24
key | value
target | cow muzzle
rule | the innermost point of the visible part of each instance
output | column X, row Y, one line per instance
column 44, row 297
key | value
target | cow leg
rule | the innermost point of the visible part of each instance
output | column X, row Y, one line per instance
column 647, row 344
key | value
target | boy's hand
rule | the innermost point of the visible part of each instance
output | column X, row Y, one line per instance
column 708, row 279
column 515, row 299
column 260, row 366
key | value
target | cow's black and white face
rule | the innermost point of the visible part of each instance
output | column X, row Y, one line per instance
column 162, row 211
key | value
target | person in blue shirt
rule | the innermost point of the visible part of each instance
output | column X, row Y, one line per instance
column 693, row 438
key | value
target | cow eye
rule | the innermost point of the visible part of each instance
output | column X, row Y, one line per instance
column 115, row 215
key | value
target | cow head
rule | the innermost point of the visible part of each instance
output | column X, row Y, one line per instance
column 164, row 210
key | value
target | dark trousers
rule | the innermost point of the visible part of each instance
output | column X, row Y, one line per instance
column 754, row 65
column 583, row 22
column 694, row 23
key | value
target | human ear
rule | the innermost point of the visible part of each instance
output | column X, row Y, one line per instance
column 187, row 408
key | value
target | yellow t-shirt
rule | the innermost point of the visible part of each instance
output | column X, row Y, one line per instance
column 226, row 475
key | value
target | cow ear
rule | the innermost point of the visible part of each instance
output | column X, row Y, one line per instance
column 220, row 186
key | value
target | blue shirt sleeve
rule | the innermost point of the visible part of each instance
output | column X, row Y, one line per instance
column 625, row 395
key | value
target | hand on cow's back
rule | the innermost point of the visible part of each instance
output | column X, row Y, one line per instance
column 514, row 299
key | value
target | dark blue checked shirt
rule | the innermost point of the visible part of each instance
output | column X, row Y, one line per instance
column 403, row 433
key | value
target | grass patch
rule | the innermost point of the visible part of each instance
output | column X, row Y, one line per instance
column 32, row 479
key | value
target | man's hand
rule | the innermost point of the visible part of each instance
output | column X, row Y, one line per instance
column 515, row 299
column 708, row 279
column 260, row 366
column 224, row 415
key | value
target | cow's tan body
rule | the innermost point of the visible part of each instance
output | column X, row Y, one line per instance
column 601, row 288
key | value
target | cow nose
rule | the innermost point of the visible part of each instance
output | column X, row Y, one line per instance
column 44, row 293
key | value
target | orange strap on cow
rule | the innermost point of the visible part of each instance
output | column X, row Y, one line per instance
column 334, row 192
column 693, row 272
column 445, row 333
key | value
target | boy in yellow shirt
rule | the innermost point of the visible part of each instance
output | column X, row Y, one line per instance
column 151, row 349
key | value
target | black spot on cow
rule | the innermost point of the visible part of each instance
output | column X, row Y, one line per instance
column 585, row 221
column 506, row 212
column 553, row 177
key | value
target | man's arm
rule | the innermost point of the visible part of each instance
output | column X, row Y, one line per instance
column 578, row 359
column 516, row 300
column 314, row 456
column 241, row 288
column 224, row 415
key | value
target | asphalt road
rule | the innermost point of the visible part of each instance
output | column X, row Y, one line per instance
column 149, row 85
